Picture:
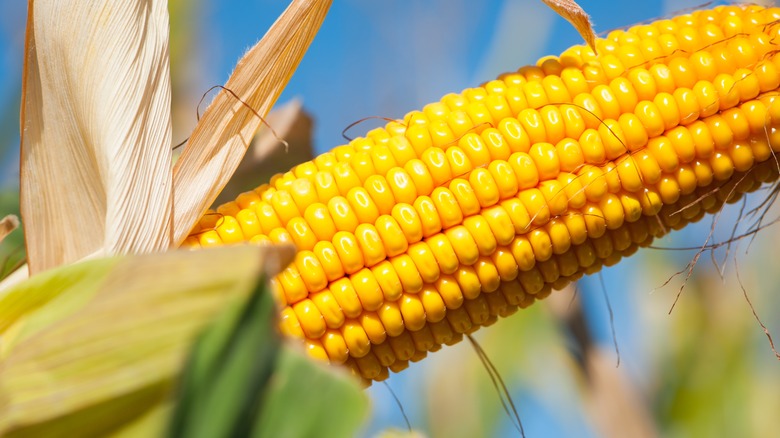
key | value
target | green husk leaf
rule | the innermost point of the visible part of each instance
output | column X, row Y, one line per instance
column 241, row 381
column 92, row 347
column 227, row 370
column 305, row 399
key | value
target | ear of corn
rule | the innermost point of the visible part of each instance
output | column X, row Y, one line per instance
column 485, row 201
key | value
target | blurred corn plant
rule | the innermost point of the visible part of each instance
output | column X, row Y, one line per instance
column 678, row 373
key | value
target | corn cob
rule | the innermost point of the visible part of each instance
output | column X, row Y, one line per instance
column 487, row 200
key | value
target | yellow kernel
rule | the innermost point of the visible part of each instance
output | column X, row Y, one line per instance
column 303, row 193
column 463, row 244
column 578, row 231
column 317, row 215
column 458, row 160
column 433, row 304
column 412, row 311
column 570, row 154
column 229, row 230
column 518, row 214
column 613, row 138
column 535, row 204
column 484, row 186
column 669, row 190
column 687, row 104
column 407, row 272
column 496, row 144
column 409, row 222
column 468, row 281
column 436, row 162
column 370, row 243
column 390, row 315
column 553, row 123
column 525, row 170
column 342, row 214
column 668, row 110
column 311, row 271
column 362, row 164
column 293, row 287
column 546, row 159
column 349, row 251
column 312, row 322
column 594, row 182
column 475, row 149
column 625, row 94
column 368, row 290
column 377, row 188
column 289, row 323
column 329, row 307
column 573, row 188
column 388, row 280
column 361, row 203
column 481, row 233
column 421, row 177
column 447, row 207
column 335, row 346
column 419, row 137
column 592, row 147
column 356, row 339
column 612, row 211
column 329, row 260
column 424, row 260
column 515, row 135
column 505, row 178
column 532, row 123
column 607, row 102
column 443, row 252
column 382, row 159
column 403, row 346
column 401, row 185
column 440, row 133
column 449, row 290
column 392, row 235
column 464, row 193
column 636, row 135
column 500, row 224
column 345, row 177
column 554, row 196
column 301, row 233
column 630, row 176
column 708, row 99
column 344, row 293
column 402, row 149
column 573, row 122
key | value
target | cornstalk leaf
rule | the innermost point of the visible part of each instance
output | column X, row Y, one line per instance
column 90, row 347
column 225, row 131
column 574, row 14
column 96, row 130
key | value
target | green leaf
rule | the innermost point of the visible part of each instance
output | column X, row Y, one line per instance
column 242, row 381
column 94, row 347
column 306, row 399
column 228, row 368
